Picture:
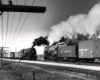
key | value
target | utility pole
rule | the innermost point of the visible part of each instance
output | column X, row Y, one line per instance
column 2, row 49
column 21, row 8
column 1, row 57
column 19, row 57
column 18, row 54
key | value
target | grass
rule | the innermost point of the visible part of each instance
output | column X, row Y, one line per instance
column 16, row 71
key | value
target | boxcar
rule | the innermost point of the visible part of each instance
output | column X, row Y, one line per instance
column 4, row 55
column 10, row 55
column 68, row 52
column 89, row 50
column 16, row 55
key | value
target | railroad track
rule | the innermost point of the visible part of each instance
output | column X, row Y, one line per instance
column 96, row 63
column 87, row 69
column 96, row 68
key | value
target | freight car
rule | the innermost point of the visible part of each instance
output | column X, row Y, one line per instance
column 18, row 55
column 5, row 55
column 10, row 55
column 89, row 50
column 85, row 51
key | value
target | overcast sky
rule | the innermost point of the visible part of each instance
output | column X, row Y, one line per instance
column 39, row 24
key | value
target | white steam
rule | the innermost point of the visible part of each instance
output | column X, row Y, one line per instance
column 78, row 24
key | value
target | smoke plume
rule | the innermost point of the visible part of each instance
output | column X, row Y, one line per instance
column 40, row 41
column 85, row 24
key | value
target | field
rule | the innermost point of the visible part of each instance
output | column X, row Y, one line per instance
column 22, row 71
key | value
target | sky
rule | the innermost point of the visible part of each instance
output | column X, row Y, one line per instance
column 39, row 24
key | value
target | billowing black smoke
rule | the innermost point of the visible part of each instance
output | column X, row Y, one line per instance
column 40, row 41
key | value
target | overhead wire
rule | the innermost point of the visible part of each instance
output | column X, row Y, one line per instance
column 17, row 25
column 22, row 25
column 2, row 28
column 7, row 28
column 12, row 23
column 1, row 14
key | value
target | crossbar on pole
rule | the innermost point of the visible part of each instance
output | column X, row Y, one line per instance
column 20, row 8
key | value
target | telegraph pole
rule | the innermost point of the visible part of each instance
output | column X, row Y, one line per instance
column 2, row 49
column 18, row 8
column 15, row 49
column 1, row 57
column 21, row 8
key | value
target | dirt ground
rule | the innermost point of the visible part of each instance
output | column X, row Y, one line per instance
column 4, row 75
column 22, row 71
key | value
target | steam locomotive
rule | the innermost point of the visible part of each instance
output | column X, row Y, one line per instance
column 84, row 51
